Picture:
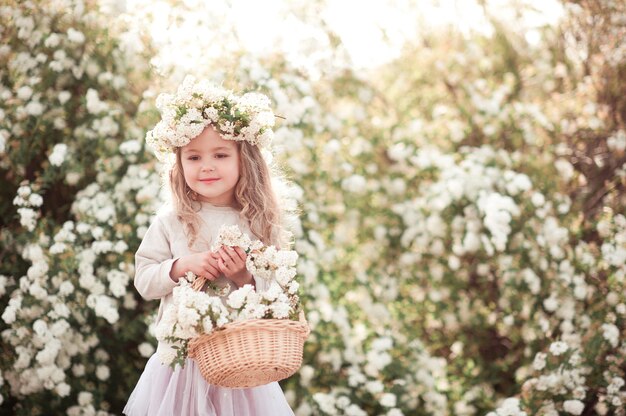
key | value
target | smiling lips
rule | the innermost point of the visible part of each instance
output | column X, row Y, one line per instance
column 209, row 180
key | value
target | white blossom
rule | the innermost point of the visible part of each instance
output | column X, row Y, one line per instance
column 59, row 152
column 52, row 41
column 610, row 332
column 617, row 141
column 103, row 372
column 63, row 389
column 540, row 361
column 75, row 36
column 24, row 92
column 28, row 218
column 94, row 105
column 573, row 407
column 388, row 400
column 356, row 184
column 64, row 96
column 130, row 147
column 558, row 347
column 85, row 398
column 509, row 407
column 34, row 108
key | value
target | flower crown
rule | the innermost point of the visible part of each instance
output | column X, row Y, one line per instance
column 199, row 104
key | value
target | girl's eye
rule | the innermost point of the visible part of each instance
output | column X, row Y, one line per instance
column 221, row 155
column 194, row 158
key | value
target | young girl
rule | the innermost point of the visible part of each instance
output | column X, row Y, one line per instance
column 219, row 177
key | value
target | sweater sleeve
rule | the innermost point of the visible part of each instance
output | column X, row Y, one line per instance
column 153, row 263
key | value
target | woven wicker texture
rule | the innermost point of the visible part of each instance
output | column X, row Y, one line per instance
column 250, row 353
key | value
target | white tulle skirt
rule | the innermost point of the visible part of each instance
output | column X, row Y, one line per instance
column 162, row 391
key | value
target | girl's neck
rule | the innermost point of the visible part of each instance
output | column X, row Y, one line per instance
column 210, row 206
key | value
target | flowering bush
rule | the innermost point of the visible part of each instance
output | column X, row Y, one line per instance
column 201, row 310
column 77, row 192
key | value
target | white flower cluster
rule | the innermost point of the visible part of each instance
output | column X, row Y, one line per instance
column 615, row 395
column 617, row 141
column 231, row 236
column 26, row 199
column 573, row 407
column 194, row 312
column 272, row 263
column 197, row 105
column 264, row 262
column 560, row 373
column 614, row 248
column 485, row 224
column 191, row 314
column 335, row 405
column 509, row 407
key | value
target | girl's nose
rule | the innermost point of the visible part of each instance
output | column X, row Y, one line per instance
column 208, row 167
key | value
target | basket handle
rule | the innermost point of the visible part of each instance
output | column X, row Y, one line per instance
column 302, row 319
column 198, row 283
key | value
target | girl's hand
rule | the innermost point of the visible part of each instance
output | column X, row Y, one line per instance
column 201, row 264
column 232, row 262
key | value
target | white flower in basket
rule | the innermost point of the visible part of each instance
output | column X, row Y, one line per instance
column 203, row 315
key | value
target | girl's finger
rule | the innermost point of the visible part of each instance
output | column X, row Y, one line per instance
column 213, row 271
column 240, row 253
column 223, row 265
column 225, row 260
column 229, row 254
column 228, row 270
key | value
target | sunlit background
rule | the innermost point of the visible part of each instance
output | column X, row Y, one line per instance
column 372, row 32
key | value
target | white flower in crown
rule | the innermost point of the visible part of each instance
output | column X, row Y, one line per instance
column 198, row 104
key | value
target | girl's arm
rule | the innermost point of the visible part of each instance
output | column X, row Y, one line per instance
column 153, row 263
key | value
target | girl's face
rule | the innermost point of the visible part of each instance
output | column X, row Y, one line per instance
column 211, row 167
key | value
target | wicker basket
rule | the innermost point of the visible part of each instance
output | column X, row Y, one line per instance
column 250, row 353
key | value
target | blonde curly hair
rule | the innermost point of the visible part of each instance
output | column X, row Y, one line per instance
column 254, row 198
